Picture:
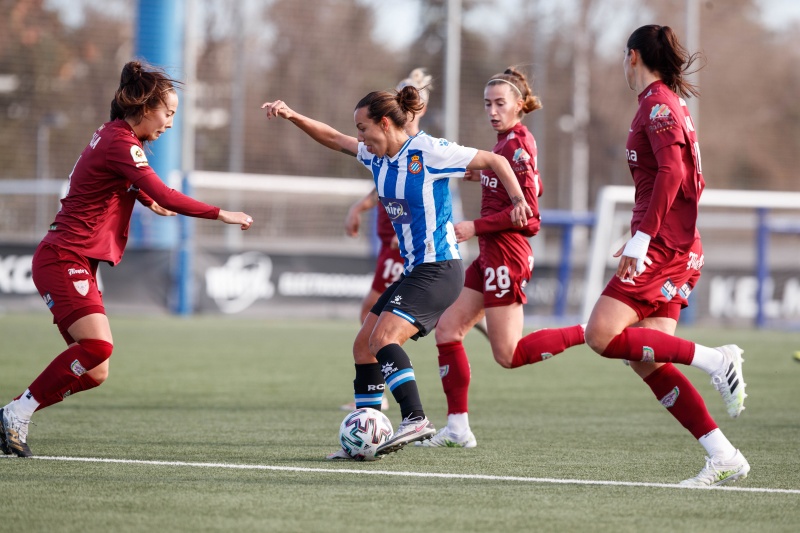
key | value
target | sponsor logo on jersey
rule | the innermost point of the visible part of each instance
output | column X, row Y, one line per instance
column 415, row 165
column 138, row 156
column 73, row 271
column 659, row 111
column 397, row 209
column 48, row 300
column 77, row 368
column 670, row 399
column 82, row 286
column 397, row 300
column 668, row 289
column 521, row 155
column 488, row 181
column 502, row 293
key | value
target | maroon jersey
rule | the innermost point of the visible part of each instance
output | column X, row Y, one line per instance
column 664, row 159
column 109, row 176
column 518, row 146
column 385, row 229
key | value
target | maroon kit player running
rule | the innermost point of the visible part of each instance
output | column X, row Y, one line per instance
column 496, row 279
column 636, row 316
column 92, row 226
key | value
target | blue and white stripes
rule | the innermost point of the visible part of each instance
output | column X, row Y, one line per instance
column 369, row 400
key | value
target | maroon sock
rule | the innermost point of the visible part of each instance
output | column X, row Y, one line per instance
column 69, row 365
column 650, row 345
column 85, row 382
column 455, row 373
column 545, row 343
column 678, row 395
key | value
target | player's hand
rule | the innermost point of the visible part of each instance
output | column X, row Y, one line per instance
column 394, row 244
column 521, row 212
column 465, row 230
column 229, row 217
column 470, row 175
column 278, row 108
column 161, row 211
column 352, row 222
column 633, row 257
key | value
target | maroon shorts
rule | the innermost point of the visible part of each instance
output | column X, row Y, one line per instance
column 663, row 289
column 388, row 268
column 502, row 269
column 67, row 282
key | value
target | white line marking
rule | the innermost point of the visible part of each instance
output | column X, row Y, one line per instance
column 413, row 474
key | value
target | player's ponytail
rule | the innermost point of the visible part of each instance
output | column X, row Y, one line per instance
column 141, row 88
column 662, row 53
column 398, row 106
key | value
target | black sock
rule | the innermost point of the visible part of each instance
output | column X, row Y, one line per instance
column 399, row 376
column 368, row 386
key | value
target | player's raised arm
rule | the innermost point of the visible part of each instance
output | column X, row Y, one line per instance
column 319, row 131
column 500, row 166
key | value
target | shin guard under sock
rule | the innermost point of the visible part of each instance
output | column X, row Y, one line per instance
column 678, row 395
column 399, row 377
column 368, row 386
column 455, row 373
column 83, row 383
column 649, row 345
column 546, row 343
column 69, row 365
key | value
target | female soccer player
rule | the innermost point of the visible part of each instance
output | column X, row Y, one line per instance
column 92, row 226
column 496, row 280
column 411, row 177
column 636, row 316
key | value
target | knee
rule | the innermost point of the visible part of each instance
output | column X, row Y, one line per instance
column 596, row 340
column 99, row 373
column 100, row 350
column 504, row 361
column 447, row 332
column 361, row 351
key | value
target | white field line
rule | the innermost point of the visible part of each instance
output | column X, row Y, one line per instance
column 518, row 479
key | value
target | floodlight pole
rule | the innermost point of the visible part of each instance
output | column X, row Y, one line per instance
column 693, row 45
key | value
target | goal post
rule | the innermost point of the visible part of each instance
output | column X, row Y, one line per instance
column 735, row 213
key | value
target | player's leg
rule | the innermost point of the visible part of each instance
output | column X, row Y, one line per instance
column 67, row 283
column 682, row 400
column 368, row 385
column 454, row 369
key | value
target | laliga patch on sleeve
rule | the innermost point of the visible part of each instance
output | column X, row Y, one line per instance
column 661, row 118
column 138, row 156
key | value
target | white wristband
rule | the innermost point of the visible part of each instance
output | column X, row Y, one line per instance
column 637, row 249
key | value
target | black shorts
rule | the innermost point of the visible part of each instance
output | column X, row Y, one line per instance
column 423, row 295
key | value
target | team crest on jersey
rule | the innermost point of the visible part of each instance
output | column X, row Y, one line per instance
column 82, row 286
column 415, row 165
column 661, row 118
column 521, row 155
column 138, row 156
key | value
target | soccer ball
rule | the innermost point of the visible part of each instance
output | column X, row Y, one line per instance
column 362, row 431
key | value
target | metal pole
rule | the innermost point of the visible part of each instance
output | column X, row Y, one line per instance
column 693, row 44
column 452, row 70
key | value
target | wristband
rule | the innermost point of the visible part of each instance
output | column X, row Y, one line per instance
column 637, row 249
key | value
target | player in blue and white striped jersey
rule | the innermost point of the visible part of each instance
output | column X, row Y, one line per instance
column 411, row 176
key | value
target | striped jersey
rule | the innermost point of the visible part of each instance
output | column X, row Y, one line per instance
column 413, row 187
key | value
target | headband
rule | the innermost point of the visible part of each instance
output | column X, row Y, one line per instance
column 508, row 82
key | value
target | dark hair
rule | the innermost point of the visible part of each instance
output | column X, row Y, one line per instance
column 662, row 53
column 141, row 88
column 399, row 106
column 530, row 102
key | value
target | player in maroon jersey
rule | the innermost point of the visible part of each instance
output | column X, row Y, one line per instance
column 636, row 316
column 496, row 279
column 111, row 173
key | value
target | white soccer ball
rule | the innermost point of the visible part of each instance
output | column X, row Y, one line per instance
column 362, row 431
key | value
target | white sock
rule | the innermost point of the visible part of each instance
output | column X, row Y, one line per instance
column 25, row 406
column 717, row 445
column 458, row 423
column 706, row 359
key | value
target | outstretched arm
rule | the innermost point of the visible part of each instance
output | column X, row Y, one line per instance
column 319, row 131
column 500, row 166
column 353, row 220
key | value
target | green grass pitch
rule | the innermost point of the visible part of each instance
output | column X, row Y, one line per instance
column 266, row 395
